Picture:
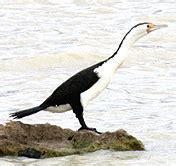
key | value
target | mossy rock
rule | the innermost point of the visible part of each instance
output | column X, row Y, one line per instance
column 45, row 140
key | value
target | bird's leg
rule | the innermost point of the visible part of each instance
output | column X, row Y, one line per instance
column 78, row 110
column 84, row 126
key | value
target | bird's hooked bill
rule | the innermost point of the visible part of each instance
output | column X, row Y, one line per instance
column 161, row 26
column 154, row 27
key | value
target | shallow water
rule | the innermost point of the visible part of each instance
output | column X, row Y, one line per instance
column 44, row 42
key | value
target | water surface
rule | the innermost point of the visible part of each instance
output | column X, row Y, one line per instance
column 44, row 42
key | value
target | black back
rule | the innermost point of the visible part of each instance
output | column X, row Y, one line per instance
column 74, row 86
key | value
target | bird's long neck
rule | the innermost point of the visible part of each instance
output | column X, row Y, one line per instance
column 111, row 64
column 117, row 59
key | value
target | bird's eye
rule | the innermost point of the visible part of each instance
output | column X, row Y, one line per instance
column 148, row 26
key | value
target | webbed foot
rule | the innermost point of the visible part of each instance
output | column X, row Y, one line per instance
column 91, row 129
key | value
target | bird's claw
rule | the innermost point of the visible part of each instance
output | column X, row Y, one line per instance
column 91, row 129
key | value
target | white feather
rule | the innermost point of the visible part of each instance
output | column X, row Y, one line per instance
column 59, row 109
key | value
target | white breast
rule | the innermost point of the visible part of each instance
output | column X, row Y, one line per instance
column 105, row 76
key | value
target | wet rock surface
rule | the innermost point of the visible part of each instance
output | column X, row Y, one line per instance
column 45, row 140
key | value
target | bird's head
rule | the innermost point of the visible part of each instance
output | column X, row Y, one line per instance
column 140, row 30
column 135, row 33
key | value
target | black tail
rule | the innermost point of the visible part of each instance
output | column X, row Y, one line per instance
column 21, row 114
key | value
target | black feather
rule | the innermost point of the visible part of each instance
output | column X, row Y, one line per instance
column 23, row 113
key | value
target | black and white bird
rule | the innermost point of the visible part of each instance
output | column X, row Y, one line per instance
column 76, row 92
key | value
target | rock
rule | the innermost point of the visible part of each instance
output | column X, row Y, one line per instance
column 45, row 140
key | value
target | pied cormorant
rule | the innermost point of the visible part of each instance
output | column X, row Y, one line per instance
column 75, row 93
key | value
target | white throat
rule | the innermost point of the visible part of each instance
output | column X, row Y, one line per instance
column 120, row 56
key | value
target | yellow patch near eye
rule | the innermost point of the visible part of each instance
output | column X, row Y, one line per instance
column 150, row 26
